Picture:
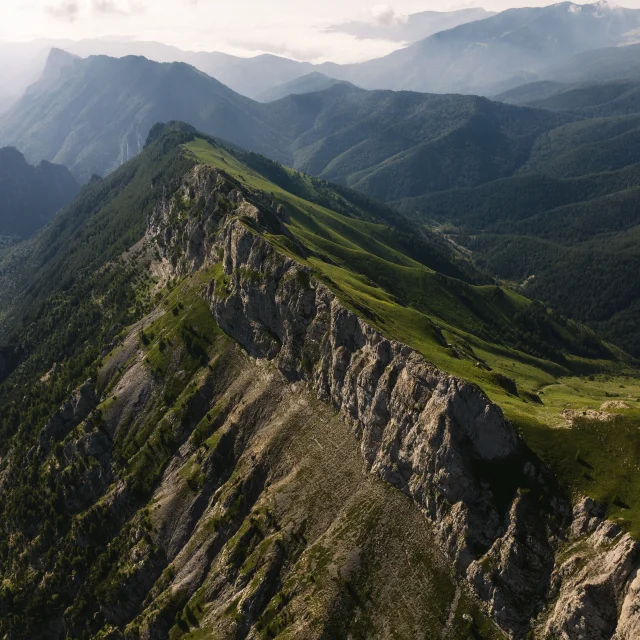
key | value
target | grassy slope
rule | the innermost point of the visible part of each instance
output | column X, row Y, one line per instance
column 407, row 301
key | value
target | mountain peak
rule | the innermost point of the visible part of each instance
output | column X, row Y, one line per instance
column 10, row 152
column 57, row 60
column 10, row 156
column 30, row 195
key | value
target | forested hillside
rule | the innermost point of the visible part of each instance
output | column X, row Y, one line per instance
column 565, row 229
column 591, row 100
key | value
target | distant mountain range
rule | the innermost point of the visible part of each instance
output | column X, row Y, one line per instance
column 469, row 51
column 500, row 52
column 21, row 63
column 29, row 196
column 613, row 66
column 94, row 114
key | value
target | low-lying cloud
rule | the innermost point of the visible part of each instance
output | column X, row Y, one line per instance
column 384, row 22
column 314, row 46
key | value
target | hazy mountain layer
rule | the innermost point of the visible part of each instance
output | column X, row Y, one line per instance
column 499, row 52
column 451, row 52
column 306, row 84
column 591, row 100
column 600, row 65
column 94, row 114
column 388, row 25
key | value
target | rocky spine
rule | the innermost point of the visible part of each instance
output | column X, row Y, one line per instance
column 434, row 437
column 438, row 439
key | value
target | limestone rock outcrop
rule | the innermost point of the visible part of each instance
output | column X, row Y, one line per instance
column 595, row 585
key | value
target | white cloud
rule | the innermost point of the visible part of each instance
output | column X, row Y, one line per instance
column 385, row 15
column 64, row 10
column 122, row 7
column 70, row 10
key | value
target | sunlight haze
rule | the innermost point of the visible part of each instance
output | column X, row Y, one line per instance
column 288, row 28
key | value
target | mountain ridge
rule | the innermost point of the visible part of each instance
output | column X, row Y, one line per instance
column 310, row 83
column 185, row 481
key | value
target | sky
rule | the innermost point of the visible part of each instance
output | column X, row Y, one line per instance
column 292, row 28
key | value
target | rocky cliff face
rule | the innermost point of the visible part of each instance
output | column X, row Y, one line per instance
column 436, row 438
column 237, row 508
column 595, row 584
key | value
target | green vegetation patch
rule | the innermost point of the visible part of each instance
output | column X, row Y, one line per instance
column 600, row 459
